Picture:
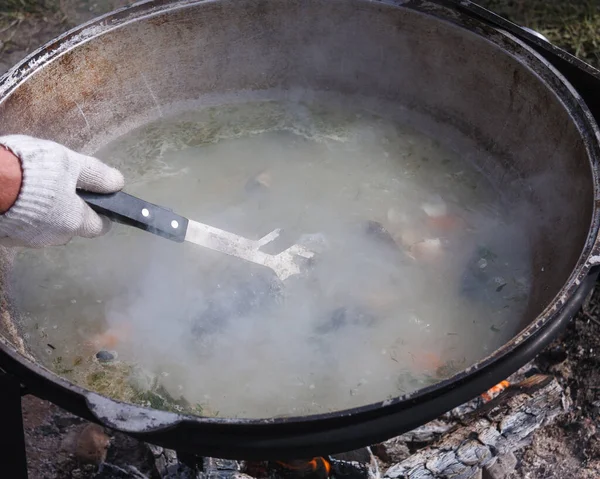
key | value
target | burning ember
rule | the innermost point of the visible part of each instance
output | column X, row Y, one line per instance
column 315, row 468
column 351, row 465
column 495, row 391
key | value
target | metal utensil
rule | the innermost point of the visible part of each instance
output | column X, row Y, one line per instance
column 130, row 210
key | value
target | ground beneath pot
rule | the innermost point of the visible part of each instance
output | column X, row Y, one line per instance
column 571, row 446
column 27, row 24
column 60, row 445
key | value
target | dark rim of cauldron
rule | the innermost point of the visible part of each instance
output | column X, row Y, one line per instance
column 345, row 429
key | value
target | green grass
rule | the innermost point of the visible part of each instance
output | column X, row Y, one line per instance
column 573, row 25
column 23, row 7
column 28, row 5
column 13, row 13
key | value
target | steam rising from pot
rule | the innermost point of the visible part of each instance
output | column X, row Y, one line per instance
column 423, row 267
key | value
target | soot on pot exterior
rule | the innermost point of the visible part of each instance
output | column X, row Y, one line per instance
column 479, row 77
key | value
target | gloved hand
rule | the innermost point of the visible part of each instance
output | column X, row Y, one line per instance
column 48, row 210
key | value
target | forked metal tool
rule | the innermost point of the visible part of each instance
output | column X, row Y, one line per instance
column 130, row 210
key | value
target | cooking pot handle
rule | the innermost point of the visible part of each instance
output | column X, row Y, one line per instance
column 130, row 210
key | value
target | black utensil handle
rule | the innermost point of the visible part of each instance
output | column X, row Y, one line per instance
column 130, row 210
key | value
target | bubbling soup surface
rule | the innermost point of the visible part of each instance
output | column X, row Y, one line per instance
column 422, row 268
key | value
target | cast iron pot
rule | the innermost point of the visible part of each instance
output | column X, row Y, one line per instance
column 477, row 87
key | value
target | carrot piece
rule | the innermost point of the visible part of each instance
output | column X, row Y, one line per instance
column 445, row 223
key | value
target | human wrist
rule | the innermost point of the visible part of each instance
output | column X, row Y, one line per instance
column 11, row 179
column 41, row 171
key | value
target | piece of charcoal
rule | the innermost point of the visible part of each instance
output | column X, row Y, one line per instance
column 357, row 455
column 348, row 469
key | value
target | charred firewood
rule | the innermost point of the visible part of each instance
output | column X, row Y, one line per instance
column 478, row 438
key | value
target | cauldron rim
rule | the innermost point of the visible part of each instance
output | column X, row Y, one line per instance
column 304, row 436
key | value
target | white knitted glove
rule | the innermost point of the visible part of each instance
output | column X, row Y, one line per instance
column 48, row 210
